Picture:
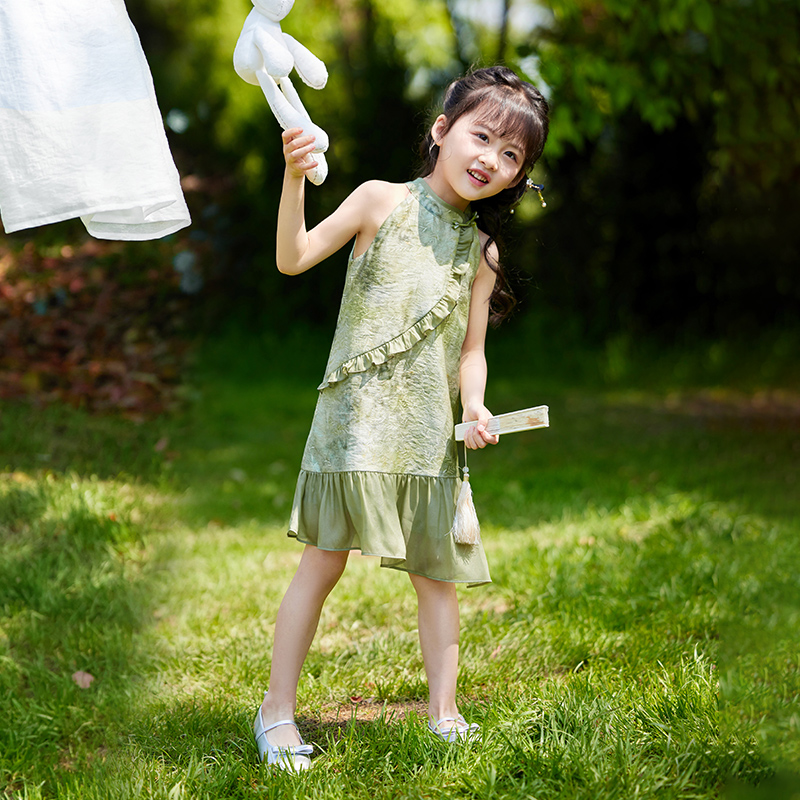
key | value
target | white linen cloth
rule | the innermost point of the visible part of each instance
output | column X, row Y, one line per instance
column 80, row 130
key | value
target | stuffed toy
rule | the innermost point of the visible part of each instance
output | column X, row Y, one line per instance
column 265, row 55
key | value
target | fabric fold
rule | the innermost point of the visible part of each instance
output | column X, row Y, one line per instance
column 403, row 311
column 405, row 340
column 404, row 519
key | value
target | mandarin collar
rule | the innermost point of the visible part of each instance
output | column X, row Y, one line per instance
column 433, row 203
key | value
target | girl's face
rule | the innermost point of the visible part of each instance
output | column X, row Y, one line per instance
column 474, row 162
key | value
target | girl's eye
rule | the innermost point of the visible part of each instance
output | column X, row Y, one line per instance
column 482, row 136
column 511, row 155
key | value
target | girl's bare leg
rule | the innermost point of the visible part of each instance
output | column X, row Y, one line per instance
column 438, row 637
column 297, row 621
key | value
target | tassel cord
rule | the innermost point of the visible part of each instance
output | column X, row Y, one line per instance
column 466, row 527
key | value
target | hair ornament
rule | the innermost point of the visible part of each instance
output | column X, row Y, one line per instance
column 539, row 187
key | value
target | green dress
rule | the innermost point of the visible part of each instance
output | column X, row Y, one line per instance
column 380, row 468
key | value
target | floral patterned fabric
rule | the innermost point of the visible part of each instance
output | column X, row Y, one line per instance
column 380, row 467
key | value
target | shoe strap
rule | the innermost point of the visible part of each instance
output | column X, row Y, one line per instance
column 302, row 749
column 279, row 723
column 265, row 730
column 459, row 720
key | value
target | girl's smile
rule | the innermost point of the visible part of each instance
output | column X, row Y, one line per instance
column 478, row 176
column 474, row 162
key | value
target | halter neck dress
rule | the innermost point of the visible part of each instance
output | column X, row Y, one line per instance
column 380, row 467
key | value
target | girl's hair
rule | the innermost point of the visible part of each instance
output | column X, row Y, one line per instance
column 512, row 109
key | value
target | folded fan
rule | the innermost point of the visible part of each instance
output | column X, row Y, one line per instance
column 525, row 420
column 466, row 527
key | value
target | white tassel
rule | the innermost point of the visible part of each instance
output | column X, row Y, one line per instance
column 466, row 528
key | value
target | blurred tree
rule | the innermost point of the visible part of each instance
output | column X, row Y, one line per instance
column 674, row 152
column 730, row 66
column 385, row 62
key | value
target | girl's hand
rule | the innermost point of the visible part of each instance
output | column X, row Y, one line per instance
column 477, row 437
column 297, row 152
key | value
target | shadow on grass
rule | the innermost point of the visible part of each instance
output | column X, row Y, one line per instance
column 182, row 731
column 209, row 744
column 239, row 446
column 73, row 598
column 75, row 593
column 61, row 439
column 604, row 449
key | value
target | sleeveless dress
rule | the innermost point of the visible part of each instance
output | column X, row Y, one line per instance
column 380, row 467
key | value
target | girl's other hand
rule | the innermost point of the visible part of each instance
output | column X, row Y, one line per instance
column 297, row 152
column 477, row 437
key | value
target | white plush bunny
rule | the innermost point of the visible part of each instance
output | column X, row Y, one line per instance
column 265, row 55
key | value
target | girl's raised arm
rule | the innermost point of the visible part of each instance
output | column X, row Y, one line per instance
column 297, row 249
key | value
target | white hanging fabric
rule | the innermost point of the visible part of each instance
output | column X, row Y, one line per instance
column 80, row 130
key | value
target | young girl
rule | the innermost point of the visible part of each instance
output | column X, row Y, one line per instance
column 380, row 469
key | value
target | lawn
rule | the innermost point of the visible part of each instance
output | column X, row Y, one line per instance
column 638, row 641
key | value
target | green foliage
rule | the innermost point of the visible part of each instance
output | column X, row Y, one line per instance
column 734, row 64
column 673, row 151
column 232, row 148
column 638, row 640
column 671, row 180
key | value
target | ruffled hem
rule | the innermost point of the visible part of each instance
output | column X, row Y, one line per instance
column 404, row 519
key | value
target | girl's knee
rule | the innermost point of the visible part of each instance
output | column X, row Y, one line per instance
column 327, row 563
column 426, row 585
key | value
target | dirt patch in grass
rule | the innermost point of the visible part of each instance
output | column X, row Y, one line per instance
column 336, row 718
column 776, row 408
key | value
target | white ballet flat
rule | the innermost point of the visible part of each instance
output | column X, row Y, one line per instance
column 455, row 729
column 294, row 758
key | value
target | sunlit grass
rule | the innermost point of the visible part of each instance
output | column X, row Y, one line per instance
column 639, row 639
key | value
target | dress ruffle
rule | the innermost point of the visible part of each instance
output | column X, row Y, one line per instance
column 411, row 336
column 379, row 343
column 404, row 519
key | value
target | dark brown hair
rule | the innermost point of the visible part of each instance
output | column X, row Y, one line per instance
column 513, row 109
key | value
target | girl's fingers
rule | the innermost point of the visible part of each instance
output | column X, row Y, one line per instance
column 473, row 439
column 477, row 438
column 297, row 151
column 488, row 438
column 299, row 143
column 302, row 167
column 290, row 133
column 302, row 151
column 302, row 158
column 293, row 138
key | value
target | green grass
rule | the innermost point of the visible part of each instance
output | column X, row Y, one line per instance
column 639, row 639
